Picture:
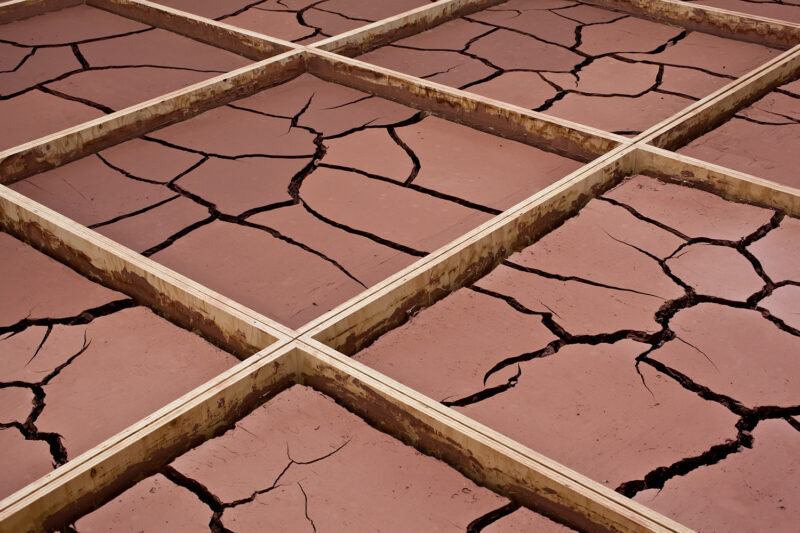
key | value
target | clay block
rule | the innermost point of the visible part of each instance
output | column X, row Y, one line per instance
column 752, row 490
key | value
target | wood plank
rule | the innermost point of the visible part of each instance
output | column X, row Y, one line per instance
column 48, row 152
column 492, row 116
column 481, row 454
column 192, row 306
column 730, row 184
column 731, row 24
column 97, row 476
column 22, row 9
column 361, row 40
column 250, row 44
column 710, row 112
column 358, row 322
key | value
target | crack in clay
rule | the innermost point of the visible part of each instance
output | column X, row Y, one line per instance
column 477, row 525
column 218, row 507
column 28, row 428
column 749, row 417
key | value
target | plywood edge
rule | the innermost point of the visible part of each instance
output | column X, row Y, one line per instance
column 192, row 306
column 365, row 38
column 498, row 118
column 730, row 184
column 100, row 474
column 485, row 456
column 22, row 9
column 722, row 22
column 250, row 44
column 720, row 106
column 53, row 150
column 357, row 323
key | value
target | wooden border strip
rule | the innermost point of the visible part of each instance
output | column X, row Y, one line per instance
column 708, row 113
column 363, row 39
column 722, row 22
column 100, row 474
column 358, row 322
column 23, row 9
column 480, row 453
column 250, row 44
column 729, row 184
column 492, row 116
column 192, row 306
column 48, row 152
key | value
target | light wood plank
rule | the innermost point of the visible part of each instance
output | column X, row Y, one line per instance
column 730, row 184
column 483, row 455
column 97, row 476
column 365, row 38
column 53, row 150
column 192, row 306
column 22, row 9
column 358, row 322
column 722, row 22
column 250, row 44
column 495, row 117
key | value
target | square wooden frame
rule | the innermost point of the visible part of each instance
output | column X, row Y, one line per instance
column 275, row 357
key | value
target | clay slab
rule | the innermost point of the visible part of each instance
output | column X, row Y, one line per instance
column 300, row 462
column 80, row 363
column 592, row 345
column 597, row 67
column 301, row 21
column 80, row 62
column 308, row 193
column 761, row 140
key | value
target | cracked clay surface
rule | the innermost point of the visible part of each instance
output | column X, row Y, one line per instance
column 292, row 190
column 302, row 463
column 66, row 67
column 761, row 140
column 593, row 66
column 299, row 21
column 649, row 342
column 79, row 363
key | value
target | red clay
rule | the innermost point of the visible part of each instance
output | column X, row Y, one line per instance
column 259, row 271
column 299, row 237
column 783, row 304
column 582, row 309
column 413, row 356
column 592, row 245
column 764, row 148
column 300, row 462
column 526, row 55
column 613, row 394
column 23, row 461
column 282, row 19
column 593, row 413
column 719, row 271
column 35, row 286
column 525, row 520
column 155, row 504
column 690, row 211
column 355, row 478
column 735, row 352
column 94, row 61
column 752, row 490
column 82, row 382
column 779, row 251
column 236, row 186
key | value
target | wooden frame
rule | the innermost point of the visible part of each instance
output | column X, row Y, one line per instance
column 316, row 354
